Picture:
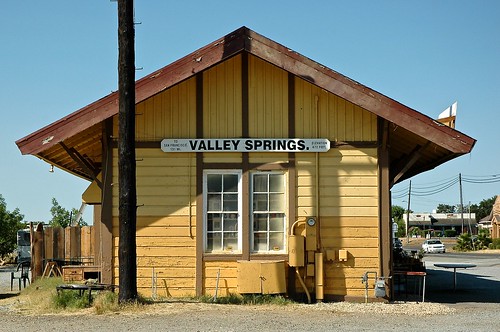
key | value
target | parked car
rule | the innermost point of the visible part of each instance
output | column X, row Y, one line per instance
column 433, row 245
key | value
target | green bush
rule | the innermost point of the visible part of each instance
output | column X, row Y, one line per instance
column 483, row 239
column 65, row 299
column 450, row 233
column 464, row 242
column 495, row 244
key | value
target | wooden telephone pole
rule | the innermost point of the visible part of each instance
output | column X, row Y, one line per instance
column 126, row 153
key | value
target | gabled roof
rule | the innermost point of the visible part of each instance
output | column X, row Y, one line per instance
column 417, row 131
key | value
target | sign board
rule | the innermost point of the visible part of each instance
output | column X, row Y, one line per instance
column 246, row 145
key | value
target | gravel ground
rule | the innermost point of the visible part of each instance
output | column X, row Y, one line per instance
column 317, row 317
column 461, row 311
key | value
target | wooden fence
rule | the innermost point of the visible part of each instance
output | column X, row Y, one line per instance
column 70, row 245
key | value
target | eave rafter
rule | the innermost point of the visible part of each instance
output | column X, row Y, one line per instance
column 407, row 161
column 89, row 168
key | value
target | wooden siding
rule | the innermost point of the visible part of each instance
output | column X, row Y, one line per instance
column 348, row 208
column 268, row 100
column 166, row 222
column 337, row 119
column 222, row 100
column 228, row 282
column 166, row 183
column 169, row 114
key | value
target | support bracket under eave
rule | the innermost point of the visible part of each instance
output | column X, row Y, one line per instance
column 408, row 161
column 90, row 169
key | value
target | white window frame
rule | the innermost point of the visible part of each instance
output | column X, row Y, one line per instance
column 285, row 215
column 238, row 172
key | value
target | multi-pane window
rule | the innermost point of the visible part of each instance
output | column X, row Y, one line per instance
column 223, row 211
column 223, row 197
column 268, row 211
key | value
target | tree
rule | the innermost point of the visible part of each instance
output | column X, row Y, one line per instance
column 10, row 223
column 62, row 217
column 397, row 216
column 484, row 208
column 445, row 208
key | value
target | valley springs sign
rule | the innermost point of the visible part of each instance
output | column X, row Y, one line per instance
column 246, row 145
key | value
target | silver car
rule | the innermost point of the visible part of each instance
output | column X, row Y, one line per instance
column 433, row 245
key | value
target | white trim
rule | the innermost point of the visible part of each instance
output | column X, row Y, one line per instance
column 285, row 210
column 240, row 208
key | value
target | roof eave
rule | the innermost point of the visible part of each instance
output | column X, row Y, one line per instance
column 240, row 40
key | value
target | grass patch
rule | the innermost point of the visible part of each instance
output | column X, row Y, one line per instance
column 247, row 299
column 41, row 297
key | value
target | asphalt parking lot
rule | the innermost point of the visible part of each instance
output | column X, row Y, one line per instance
column 480, row 284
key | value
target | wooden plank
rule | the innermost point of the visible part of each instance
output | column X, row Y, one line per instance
column 59, row 243
column 338, row 201
column 48, row 240
column 87, row 253
column 166, row 251
column 67, row 243
column 346, row 243
column 163, row 231
column 350, row 211
column 349, row 221
column 340, row 271
column 349, row 232
column 163, row 261
column 170, row 221
column 174, row 241
column 170, row 272
column 177, row 283
column 75, row 243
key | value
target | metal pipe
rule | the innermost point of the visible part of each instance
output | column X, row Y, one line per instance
column 318, row 274
column 216, row 286
column 303, row 285
column 364, row 279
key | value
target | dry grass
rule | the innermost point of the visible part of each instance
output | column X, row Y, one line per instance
column 41, row 298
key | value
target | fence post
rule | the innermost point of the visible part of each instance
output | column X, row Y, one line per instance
column 37, row 253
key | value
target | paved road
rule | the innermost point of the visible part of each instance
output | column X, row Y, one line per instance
column 479, row 284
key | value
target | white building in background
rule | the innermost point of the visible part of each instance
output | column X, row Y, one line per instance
column 461, row 223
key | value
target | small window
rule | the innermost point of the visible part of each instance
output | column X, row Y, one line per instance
column 268, row 212
column 222, row 218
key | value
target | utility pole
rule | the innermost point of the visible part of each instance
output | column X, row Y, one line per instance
column 461, row 201
column 408, row 216
column 127, row 205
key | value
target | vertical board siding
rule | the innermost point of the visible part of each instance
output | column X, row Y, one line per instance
column 73, row 244
column 166, row 222
column 222, row 100
column 169, row 114
column 268, row 100
column 325, row 115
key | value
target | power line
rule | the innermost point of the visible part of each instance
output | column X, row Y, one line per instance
column 439, row 186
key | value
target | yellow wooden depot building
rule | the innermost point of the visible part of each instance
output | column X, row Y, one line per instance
column 258, row 170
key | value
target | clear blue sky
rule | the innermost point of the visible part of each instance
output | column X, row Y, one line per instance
column 58, row 56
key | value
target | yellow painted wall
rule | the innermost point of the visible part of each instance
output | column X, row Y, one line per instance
column 166, row 222
column 267, row 99
column 166, row 183
column 170, row 114
column 227, row 271
column 348, row 186
column 222, row 100
column 322, row 114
